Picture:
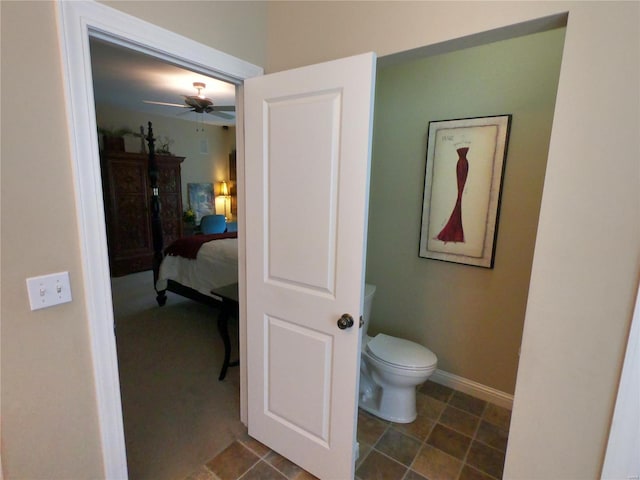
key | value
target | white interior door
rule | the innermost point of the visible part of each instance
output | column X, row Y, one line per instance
column 307, row 138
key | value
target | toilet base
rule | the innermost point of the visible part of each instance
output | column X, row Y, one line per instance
column 370, row 405
column 394, row 404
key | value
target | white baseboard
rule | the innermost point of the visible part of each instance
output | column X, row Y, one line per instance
column 472, row 388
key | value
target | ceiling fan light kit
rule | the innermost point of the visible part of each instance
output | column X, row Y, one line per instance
column 199, row 86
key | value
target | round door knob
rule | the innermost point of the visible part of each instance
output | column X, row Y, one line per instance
column 345, row 321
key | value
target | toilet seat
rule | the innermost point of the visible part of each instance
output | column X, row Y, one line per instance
column 400, row 353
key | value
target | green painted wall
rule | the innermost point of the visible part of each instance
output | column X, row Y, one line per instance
column 470, row 317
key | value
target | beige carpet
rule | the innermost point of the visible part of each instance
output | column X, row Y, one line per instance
column 177, row 415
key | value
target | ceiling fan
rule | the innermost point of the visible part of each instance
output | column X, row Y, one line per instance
column 199, row 103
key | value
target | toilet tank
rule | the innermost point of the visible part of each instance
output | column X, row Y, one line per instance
column 369, row 292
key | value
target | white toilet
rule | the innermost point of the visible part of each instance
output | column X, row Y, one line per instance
column 390, row 370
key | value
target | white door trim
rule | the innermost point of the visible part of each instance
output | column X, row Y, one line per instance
column 621, row 457
column 77, row 21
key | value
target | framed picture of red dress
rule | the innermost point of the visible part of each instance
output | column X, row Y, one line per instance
column 463, row 181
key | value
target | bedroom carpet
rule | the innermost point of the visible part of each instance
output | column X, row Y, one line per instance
column 177, row 415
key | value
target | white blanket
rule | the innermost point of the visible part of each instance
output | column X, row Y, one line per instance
column 216, row 265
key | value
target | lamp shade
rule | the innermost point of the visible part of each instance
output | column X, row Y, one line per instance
column 224, row 189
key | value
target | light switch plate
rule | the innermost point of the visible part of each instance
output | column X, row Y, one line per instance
column 49, row 290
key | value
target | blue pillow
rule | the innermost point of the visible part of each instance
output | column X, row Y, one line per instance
column 213, row 224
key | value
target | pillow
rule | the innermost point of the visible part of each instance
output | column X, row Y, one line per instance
column 213, row 224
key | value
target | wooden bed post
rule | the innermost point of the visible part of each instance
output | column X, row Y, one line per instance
column 156, row 221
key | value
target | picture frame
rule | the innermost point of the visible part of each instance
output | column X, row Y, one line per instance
column 201, row 199
column 464, row 171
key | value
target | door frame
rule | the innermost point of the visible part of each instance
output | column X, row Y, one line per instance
column 77, row 21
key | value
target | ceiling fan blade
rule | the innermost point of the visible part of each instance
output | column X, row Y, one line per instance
column 221, row 115
column 224, row 108
column 165, row 103
column 199, row 105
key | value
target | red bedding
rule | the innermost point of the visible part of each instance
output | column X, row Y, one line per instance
column 188, row 247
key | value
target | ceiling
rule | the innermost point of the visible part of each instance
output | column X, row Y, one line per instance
column 126, row 78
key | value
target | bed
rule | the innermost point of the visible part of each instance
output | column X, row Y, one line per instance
column 190, row 266
column 194, row 266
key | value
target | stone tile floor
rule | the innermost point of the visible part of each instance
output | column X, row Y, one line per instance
column 455, row 437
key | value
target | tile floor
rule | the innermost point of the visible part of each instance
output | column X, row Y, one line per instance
column 455, row 437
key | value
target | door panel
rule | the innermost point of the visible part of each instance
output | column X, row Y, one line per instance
column 302, row 127
column 305, row 407
column 308, row 137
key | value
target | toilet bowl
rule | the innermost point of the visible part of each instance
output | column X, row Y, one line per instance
column 390, row 370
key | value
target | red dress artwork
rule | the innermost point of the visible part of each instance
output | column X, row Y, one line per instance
column 453, row 231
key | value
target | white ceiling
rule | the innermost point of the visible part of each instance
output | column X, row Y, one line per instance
column 125, row 78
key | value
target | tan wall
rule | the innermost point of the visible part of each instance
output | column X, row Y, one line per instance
column 585, row 268
column 197, row 167
column 49, row 412
column 234, row 27
column 49, row 424
column 470, row 317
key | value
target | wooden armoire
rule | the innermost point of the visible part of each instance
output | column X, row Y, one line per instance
column 127, row 193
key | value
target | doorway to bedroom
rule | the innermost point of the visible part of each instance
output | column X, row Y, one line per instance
column 177, row 414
